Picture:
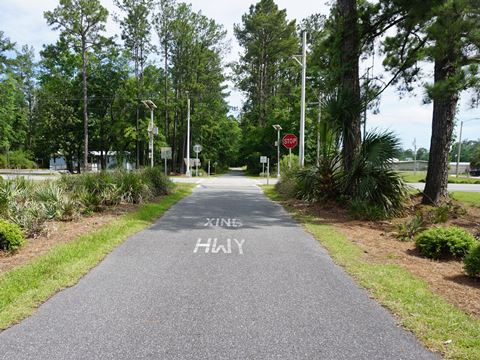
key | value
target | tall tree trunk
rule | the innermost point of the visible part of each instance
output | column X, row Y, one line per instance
column 349, row 81
column 444, row 109
column 85, row 104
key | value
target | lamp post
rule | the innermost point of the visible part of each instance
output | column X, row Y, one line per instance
column 278, row 128
column 460, row 143
column 303, row 64
column 188, row 172
column 151, row 129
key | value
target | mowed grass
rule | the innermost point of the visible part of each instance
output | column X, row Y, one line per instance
column 420, row 176
column 468, row 198
column 24, row 288
column 439, row 325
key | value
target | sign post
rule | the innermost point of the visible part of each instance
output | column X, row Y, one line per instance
column 197, row 148
column 166, row 154
column 268, row 170
column 263, row 161
column 209, row 168
column 290, row 141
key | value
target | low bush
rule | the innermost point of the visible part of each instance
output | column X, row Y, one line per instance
column 29, row 205
column 472, row 261
column 20, row 160
column 442, row 213
column 408, row 230
column 11, row 237
column 157, row 181
column 365, row 210
column 437, row 243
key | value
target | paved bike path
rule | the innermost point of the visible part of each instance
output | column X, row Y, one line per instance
column 224, row 274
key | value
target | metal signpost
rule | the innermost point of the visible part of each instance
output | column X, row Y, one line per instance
column 268, row 170
column 197, row 148
column 152, row 130
column 263, row 161
column 166, row 154
column 290, row 141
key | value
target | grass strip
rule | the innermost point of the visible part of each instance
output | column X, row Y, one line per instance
column 431, row 318
column 420, row 176
column 468, row 198
column 23, row 289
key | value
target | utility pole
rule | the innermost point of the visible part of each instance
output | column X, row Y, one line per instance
column 278, row 128
column 188, row 173
column 459, row 148
column 152, row 130
column 302, row 105
column 415, row 156
column 318, row 126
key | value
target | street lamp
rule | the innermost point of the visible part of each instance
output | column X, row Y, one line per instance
column 303, row 64
column 152, row 130
column 188, row 172
column 278, row 128
column 460, row 143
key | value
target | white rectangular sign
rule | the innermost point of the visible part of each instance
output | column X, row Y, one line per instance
column 166, row 153
column 263, row 159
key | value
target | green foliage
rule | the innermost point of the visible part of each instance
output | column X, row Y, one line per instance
column 29, row 204
column 157, row 181
column 11, row 237
column 373, row 185
column 408, row 230
column 321, row 182
column 20, row 159
column 443, row 212
column 472, row 261
column 437, row 243
column 475, row 160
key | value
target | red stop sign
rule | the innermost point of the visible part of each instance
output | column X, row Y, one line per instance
column 290, row 141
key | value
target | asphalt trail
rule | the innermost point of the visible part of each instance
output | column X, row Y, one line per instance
column 254, row 285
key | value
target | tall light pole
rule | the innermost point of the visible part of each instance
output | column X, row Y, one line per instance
column 278, row 128
column 151, row 128
column 460, row 143
column 303, row 64
column 188, row 172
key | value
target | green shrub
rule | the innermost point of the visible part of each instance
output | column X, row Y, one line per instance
column 371, row 183
column 439, row 243
column 408, row 230
column 472, row 261
column 3, row 161
column 132, row 187
column 320, row 182
column 287, row 186
column 443, row 212
column 11, row 237
column 157, row 181
column 364, row 210
column 20, row 159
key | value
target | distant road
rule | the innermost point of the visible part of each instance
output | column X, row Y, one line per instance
column 261, row 181
column 451, row 187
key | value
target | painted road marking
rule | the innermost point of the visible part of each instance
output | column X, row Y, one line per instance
column 213, row 246
column 223, row 222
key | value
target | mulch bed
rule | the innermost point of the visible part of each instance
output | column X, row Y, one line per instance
column 57, row 232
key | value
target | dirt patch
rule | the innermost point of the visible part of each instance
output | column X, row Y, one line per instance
column 57, row 232
column 377, row 239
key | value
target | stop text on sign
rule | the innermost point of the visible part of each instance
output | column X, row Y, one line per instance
column 290, row 141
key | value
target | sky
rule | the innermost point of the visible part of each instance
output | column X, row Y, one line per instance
column 23, row 22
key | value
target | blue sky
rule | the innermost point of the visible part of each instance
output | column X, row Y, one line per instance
column 23, row 22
